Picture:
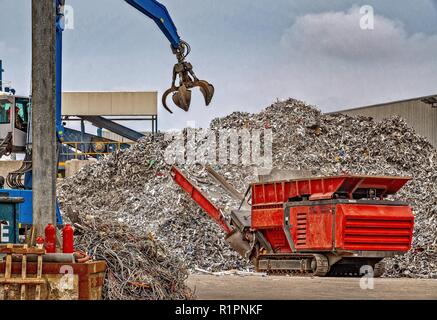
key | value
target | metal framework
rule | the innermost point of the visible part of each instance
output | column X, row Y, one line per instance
column 153, row 119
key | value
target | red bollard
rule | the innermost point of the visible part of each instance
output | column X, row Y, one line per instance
column 50, row 240
column 68, row 239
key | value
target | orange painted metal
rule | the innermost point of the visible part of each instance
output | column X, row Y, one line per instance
column 282, row 191
column 327, row 227
column 269, row 198
column 200, row 198
column 319, row 222
column 312, row 227
column 322, row 188
column 340, row 227
column 374, row 227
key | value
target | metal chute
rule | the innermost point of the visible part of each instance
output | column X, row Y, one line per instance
column 183, row 74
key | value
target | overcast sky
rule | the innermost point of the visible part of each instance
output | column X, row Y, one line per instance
column 253, row 51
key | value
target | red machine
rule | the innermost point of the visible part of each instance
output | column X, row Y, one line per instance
column 319, row 226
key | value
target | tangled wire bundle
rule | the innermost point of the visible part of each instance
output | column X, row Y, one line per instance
column 138, row 266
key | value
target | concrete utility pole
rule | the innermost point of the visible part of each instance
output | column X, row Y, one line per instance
column 44, row 155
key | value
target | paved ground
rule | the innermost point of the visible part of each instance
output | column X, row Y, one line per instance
column 296, row 288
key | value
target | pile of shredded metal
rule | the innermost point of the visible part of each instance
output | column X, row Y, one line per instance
column 331, row 144
column 134, row 216
column 134, row 188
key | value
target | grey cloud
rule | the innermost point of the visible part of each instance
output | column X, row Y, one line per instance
column 330, row 61
column 338, row 35
column 237, row 46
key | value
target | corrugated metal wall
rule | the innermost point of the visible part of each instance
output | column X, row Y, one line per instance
column 109, row 103
column 421, row 116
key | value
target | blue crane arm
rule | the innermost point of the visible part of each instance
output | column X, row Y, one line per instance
column 151, row 8
column 158, row 13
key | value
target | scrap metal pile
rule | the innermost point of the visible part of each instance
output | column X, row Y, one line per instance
column 333, row 144
column 138, row 266
column 126, row 200
column 134, row 188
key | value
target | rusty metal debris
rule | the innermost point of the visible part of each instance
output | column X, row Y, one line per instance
column 134, row 187
column 139, row 267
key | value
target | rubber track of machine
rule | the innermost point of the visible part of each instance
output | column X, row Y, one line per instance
column 322, row 265
column 379, row 269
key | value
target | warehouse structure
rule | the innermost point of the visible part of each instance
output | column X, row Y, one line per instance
column 420, row 113
column 115, row 106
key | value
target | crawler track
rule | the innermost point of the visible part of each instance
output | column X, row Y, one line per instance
column 354, row 270
column 294, row 264
column 312, row 265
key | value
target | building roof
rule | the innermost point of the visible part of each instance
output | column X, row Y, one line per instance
column 431, row 100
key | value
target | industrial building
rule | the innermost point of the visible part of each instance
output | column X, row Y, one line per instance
column 420, row 113
column 118, row 214
column 102, row 109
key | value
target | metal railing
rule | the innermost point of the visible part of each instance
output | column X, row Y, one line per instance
column 85, row 150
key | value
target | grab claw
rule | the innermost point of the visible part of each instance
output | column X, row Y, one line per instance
column 187, row 80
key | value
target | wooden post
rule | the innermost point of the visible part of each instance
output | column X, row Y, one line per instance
column 44, row 155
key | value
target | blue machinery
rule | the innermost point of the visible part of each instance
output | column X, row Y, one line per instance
column 16, row 204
